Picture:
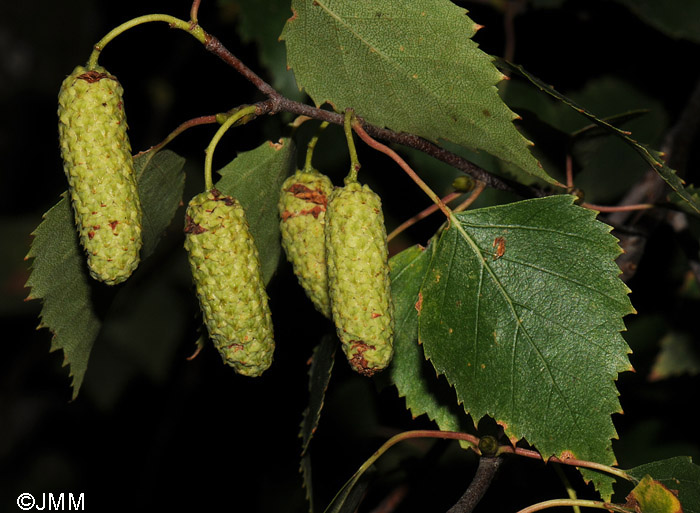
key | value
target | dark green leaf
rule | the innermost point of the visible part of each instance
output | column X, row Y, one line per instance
column 255, row 178
column 161, row 183
column 412, row 375
column 408, row 65
column 522, row 312
column 59, row 275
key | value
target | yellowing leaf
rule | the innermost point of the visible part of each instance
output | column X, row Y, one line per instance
column 650, row 496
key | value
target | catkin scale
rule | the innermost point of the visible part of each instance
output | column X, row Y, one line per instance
column 226, row 270
column 358, row 277
column 98, row 164
column 302, row 208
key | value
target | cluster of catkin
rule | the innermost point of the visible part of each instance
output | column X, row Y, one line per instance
column 334, row 238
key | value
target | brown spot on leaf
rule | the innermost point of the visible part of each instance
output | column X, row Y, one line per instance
column 499, row 244
column 375, row 315
column 566, row 455
column 486, row 113
column 91, row 234
column 419, row 303
column 276, row 146
column 113, row 225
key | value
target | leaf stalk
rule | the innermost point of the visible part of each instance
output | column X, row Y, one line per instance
column 191, row 27
column 243, row 115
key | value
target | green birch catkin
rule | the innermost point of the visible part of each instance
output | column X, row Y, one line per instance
column 227, row 275
column 100, row 170
column 358, row 277
column 302, row 209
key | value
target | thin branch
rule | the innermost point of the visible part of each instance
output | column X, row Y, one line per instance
column 202, row 120
column 485, row 473
column 568, row 461
column 402, row 163
column 618, row 208
column 556, row 503
column 217, row 48
column 194, row 10
column 278, row 103
column 421, row 215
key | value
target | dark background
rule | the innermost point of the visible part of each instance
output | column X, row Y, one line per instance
column 151, row 430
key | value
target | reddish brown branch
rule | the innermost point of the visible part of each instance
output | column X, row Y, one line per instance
column 420, row 215
column 278, row 103
column 194, row 11
column 402, row 163
column 217, row 48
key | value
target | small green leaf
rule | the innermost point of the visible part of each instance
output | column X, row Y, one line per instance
column 409, row 65
column 679, row 474
column 522, row 312
column 59, row 275
column 412, row 375
column 255, row 178
column 319, row 376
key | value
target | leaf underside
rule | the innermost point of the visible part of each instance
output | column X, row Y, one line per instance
column 520, row 308
column 407, row 65
column 59, row 275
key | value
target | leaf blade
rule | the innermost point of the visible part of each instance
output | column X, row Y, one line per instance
column 59, row 277
column 529, row 333
column 410, row 372
column 408, row 65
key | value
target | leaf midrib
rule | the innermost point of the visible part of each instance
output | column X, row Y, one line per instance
column 519, row 324
column 400, row 69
